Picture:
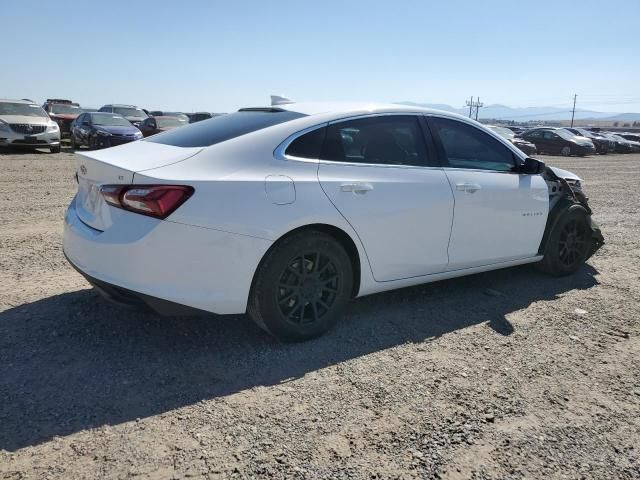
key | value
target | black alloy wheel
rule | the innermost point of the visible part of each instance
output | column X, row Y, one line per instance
column 307, row 288
column 573, row 243
column 302, row 286
column 569, row 242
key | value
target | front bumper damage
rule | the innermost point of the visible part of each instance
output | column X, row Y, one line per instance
column 565, row 193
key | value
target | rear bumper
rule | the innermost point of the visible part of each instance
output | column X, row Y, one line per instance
column 144, row 261
column 136, row 300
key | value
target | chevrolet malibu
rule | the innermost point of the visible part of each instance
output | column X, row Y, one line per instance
column 289, row 211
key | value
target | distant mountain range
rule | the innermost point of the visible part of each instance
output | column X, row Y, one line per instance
column 502, row 112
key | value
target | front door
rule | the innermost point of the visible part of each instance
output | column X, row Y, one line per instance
column 499, row 214
column 379, row 174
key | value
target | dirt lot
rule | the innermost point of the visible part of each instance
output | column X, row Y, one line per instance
column 503, row 375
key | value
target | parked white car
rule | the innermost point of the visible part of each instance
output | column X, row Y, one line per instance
column 288, row 212
column 25, row 124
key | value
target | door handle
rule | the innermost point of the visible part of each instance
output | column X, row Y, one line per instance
column 356, row 188
column 468, row 187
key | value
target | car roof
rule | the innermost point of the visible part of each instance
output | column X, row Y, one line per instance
column 8, row 100
column 104, row 113
column 338, row 110
column 315, row 108
column 119, row 105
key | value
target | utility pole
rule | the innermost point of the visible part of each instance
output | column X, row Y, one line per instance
column 474, row 106
column 573, row 112
column 479, row 105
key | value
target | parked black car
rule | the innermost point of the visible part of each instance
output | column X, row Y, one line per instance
column 556, row 141
column 100, row 130
column 622, row 144
column 527, row 147
column 634, row 137
column 603, row 145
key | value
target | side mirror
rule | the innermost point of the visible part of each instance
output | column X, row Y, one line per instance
column 531, row 166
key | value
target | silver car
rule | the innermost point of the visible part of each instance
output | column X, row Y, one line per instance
column 25, row 124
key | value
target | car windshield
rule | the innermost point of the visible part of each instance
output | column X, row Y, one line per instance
column 26, row 109
column 565, row 134
column 503, row 132
column 129, row 112
column 62, row 109
column 169, row 122
column 108, row 119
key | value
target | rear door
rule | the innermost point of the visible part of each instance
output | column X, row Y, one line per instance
column 381, row 175
column 499, row 214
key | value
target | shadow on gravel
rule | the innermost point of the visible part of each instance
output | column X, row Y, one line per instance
column 73, row 361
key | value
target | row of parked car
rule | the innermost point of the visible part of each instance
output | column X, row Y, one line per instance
column 569, row 141
column 23, row 123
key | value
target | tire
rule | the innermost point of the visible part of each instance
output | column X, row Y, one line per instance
column 566, row 151
column 301, row 287
column 55, row 149
column 569, row 243
column 91, row 143
column 74, row 145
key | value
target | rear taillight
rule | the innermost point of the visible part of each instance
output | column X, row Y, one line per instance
column 157, row 201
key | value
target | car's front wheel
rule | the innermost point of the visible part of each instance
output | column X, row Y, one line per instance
column 55, row 149
column 301, row 287
column 569, row 243
column 74, row 145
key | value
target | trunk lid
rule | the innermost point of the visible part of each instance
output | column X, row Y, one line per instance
column 117, row 165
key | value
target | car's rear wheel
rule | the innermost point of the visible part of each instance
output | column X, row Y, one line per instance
column 301, row 287
column 569, row 242
column 566, row 151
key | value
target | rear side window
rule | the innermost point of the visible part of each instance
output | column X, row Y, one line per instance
column 382, row 140
column 466, row 146
column 308, row 145
column 225, row 127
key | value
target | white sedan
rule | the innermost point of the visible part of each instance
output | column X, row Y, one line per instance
column 289, row 211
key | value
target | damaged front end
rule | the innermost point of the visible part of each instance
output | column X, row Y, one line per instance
column 565, row 189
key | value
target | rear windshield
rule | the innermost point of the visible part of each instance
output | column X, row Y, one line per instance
column 218, row 129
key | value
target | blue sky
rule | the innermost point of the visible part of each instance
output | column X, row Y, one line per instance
column 219, row 56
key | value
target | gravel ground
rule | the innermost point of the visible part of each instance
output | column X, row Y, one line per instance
column 502, row 375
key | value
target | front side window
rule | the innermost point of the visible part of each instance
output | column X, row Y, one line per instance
column 383, row 140
column 466, row 146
